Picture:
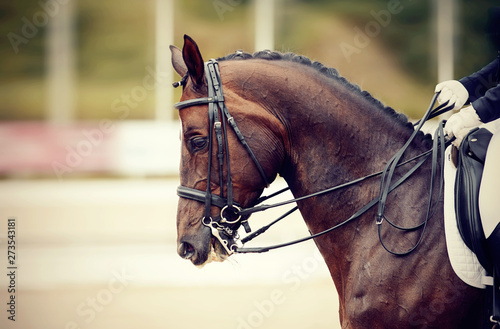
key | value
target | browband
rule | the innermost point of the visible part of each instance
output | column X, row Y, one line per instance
column 198, row 101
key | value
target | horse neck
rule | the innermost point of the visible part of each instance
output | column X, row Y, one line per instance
column 333, row 136
column 336, row 135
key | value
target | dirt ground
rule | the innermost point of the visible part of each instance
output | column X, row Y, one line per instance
column 312, row 306
column 101, row 254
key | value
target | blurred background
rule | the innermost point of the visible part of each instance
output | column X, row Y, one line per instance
column 89, row 149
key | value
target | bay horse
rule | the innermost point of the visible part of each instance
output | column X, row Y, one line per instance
column 301, row 120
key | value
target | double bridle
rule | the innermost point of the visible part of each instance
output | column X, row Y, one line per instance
column 224, row 227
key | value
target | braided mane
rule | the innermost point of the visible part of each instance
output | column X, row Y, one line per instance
column 327, row 71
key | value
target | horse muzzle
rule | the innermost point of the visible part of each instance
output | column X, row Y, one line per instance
column 195, row 245
column 186, row 250
column 206, row 246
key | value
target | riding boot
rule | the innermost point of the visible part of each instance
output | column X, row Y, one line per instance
column 493, row 243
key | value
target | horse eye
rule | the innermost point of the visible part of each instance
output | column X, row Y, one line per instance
column 198, row 143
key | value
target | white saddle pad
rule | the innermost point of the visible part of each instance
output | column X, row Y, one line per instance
column 463, row 260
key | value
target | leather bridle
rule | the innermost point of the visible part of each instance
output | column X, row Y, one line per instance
column 224, row 227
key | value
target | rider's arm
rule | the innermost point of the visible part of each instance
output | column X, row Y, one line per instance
column 484, row 91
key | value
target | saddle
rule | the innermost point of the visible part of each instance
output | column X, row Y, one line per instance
column 470, row 163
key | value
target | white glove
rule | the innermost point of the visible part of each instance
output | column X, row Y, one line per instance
column 452, row 91
column 459, row 124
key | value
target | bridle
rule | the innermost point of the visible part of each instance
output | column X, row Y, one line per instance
column 224, row 227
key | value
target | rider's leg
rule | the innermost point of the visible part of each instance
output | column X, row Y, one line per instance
column 489, row 201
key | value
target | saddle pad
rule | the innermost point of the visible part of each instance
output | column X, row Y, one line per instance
column 463, row 261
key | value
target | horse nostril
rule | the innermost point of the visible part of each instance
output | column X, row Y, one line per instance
column 186, row 250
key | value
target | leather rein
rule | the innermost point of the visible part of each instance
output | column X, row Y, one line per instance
column 224, row 227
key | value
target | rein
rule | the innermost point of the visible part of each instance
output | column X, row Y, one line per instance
column 224, row 227
column 439, row 144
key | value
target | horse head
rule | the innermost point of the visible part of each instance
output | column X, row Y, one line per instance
column 215, row 163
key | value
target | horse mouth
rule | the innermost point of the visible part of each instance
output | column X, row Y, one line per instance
column 213, row 252
column 216, row 253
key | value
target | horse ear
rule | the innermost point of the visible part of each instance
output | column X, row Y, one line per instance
column 178, row 62
column 193, row 60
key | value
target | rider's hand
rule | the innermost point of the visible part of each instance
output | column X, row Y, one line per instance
column 459, row 124
column 452, row 92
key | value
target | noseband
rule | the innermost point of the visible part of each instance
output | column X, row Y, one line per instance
column 225, row 225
